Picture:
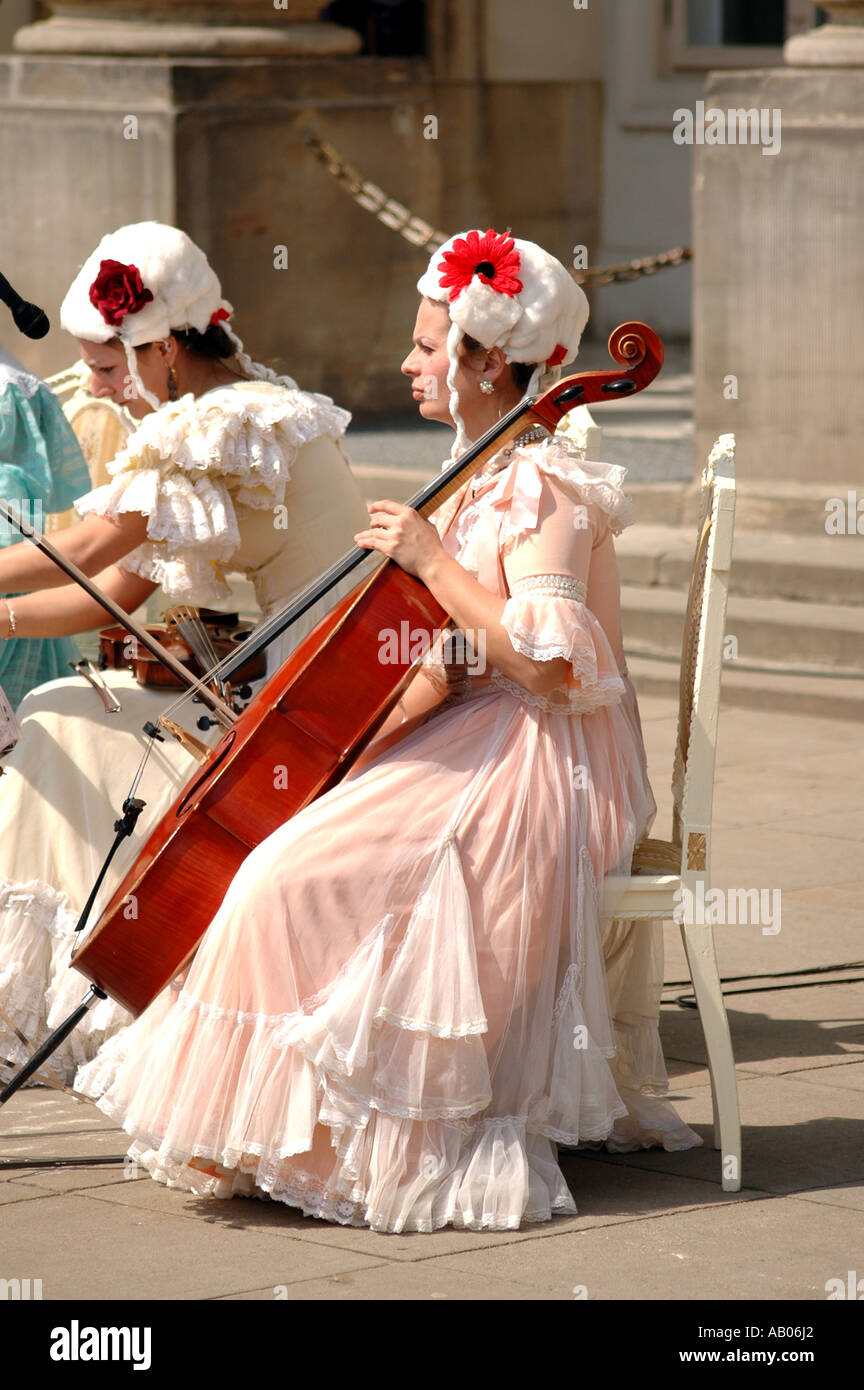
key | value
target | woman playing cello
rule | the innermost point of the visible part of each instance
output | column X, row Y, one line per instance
column 401, row 1006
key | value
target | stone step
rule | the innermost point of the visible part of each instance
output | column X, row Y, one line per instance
column 790, row 509
column 377, row 481
column 787, row 508
column 826, row 697
column 800, row 636
column 822, row 569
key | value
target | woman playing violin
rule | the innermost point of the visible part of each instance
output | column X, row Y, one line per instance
column 231, row 468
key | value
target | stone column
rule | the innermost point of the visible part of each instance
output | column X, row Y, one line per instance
column 115, row 111
column 200, row 28
column 193, row 111
column 837, row 44
column 779, row 269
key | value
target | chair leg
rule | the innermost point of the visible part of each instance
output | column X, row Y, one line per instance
column 702, row 960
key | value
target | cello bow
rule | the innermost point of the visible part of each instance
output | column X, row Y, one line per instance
column 309, row 722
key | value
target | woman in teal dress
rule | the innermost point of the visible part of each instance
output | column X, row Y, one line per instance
column 42, row 470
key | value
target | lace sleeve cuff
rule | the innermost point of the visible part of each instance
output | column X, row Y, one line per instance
column 546, row 618
column 191, row 527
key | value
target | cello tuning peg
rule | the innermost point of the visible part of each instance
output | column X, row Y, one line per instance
column 205, row 723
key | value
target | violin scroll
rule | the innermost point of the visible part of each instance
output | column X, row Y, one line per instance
column 628, row 346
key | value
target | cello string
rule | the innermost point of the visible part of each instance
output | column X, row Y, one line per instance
column 136, row 780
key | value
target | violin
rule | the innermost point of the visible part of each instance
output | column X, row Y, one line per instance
column 313, row 718
column 200, row 639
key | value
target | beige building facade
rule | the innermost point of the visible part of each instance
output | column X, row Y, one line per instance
column 553, row 118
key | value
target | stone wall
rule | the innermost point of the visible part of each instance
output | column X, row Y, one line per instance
column 779, row 278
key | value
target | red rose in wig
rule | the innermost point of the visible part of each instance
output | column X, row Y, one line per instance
column 118, row 290
column 492, row 257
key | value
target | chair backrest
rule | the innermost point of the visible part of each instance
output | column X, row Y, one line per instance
column 100, row 427
column 702, row 656
column 580, row 426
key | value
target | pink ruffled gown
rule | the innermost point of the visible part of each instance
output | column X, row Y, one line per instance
column 402, row 1004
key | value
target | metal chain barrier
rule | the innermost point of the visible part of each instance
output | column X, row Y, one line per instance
column 428, row 238
column 595, row 275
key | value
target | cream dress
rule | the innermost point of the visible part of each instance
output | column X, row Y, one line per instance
column 248, row 477
column 402, row 1007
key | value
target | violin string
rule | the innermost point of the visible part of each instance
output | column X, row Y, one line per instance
column 193, row 623
column 196, row 636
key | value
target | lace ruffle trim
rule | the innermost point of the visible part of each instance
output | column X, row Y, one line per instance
column 555, row 585
column 248, row 1174
column 600, row 483
column 242, row 431
column 13, row 374
column 608, row 692
column 546, row 620
column 382, row 1015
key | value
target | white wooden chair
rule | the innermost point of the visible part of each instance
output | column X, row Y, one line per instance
column 664, row 871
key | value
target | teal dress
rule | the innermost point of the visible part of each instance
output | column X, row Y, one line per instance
column 42, row 470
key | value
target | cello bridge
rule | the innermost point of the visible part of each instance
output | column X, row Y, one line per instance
column 187, row 741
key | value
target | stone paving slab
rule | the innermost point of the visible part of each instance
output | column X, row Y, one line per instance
column 812, row 785
column 606, row 1194
column 78, row 1179
column 746, row 736
column 848, row 1078
column 796, row 1136
column 650, row 1224
column 82, row 1248
column 851, row 1196
column 780, row 858
column 777, row 1248
column 10, row 1192
column 431, row 1281
column 780, row 1041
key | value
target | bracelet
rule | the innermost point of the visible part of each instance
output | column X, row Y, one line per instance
column 12, row 623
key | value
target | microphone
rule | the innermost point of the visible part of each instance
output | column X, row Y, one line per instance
column 30, row 319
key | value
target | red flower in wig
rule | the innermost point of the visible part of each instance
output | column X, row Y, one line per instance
column 492, row 257
column 118, row 290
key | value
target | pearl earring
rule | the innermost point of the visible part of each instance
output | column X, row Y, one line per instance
column 486, row 386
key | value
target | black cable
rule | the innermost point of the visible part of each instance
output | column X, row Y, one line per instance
column 688, row 1001
column 774, row 974
column 8, row 1163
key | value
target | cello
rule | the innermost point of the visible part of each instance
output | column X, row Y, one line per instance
column 308, row 720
